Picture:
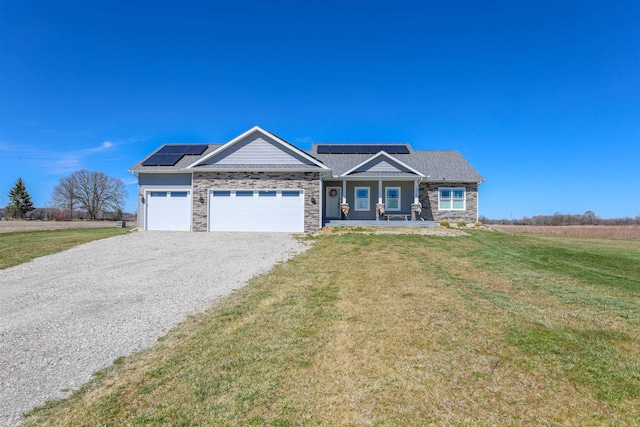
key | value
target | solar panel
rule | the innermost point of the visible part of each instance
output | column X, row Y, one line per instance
column 362, row 149
column 197, row 149
column 171, row 149
column 183, row 149
column 395, row 149
column 164, row 159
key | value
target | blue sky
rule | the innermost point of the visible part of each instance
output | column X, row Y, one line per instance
column 542, row 97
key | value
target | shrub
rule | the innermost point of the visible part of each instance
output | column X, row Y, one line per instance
column 478, row 224
column 444, row 223
column 462, row 223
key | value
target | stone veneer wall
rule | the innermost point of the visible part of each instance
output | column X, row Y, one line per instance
column 307, row 181
column 428, row 194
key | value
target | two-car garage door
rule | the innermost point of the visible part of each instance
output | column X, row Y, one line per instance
column 256, row 210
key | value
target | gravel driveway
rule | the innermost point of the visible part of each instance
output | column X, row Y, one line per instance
column 65, row 316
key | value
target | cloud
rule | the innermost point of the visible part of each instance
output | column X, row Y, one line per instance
column 54, row 162
column 105, row 146
column 130, row 181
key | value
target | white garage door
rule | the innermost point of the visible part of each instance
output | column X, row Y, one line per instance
column 169, row 210
column 257, row 210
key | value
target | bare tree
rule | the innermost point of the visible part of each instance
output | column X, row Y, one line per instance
column 64, row 194
column 95, row 192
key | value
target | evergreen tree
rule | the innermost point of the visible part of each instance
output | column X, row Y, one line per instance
column 20, row 201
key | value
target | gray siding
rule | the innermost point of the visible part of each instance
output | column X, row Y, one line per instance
column 406, row 195
column 351, row 199
column 257, row 150
column 156, row 181
column 381, row 164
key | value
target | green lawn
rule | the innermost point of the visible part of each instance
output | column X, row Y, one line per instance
column 21, row 247
column 485, row 329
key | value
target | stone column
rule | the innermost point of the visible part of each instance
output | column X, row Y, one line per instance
column 344, row 209
column 379, row 210
column 416, row 210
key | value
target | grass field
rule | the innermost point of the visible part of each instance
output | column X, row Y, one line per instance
column 627, row 232
column 484, row 329
column 20, row 247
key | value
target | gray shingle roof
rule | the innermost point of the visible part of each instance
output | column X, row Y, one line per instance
column 437, row 165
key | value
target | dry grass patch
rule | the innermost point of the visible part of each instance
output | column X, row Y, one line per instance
column 588, row 231
column 366, row 329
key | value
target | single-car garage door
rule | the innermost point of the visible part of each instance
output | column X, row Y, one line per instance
column 257, row 210
column 169, row 210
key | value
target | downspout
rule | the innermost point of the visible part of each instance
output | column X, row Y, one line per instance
column 139, row 205
column 478, row 202
column 321, row 198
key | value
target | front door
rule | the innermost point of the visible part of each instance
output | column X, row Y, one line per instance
column 333, row 199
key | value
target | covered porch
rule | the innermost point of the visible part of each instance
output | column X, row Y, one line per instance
column 386, row 200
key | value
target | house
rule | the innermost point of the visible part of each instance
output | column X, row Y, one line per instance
column 259, row 182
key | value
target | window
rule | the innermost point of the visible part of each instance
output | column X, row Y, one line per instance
column 392, row 199
column 222, row 194
column 266, row 193
column 178, row 194
column 451, row 199
column 362, row 198
column 158, row 194
column 290, row 194
column 244, row 193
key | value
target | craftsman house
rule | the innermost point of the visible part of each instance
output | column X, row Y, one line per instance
column 259, row 182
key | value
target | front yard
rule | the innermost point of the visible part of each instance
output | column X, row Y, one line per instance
column 373, row 329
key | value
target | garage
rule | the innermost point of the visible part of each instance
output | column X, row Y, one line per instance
column 257, row 210
column 168, row 210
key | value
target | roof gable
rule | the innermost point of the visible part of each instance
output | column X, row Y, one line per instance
column 258, row 147
column 382, row 163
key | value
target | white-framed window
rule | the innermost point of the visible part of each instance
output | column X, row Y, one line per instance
column 362, row 198
column 392, row 200
column 452, row 199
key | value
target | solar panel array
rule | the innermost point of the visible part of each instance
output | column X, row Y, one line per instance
column 183, row 149
column 169, row 155
column 362, row 149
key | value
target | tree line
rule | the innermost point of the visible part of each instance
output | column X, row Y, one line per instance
column 557, row 219
column 84, row 194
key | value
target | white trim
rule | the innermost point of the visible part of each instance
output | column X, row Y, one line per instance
column 452, row 189
column 388, row 156
column 355, row 199
column 386, row 199
column 269, row 135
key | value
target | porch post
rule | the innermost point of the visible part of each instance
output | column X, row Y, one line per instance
column 379, row 205
column 416, row 207
column 344, row 206
column 344, row 191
